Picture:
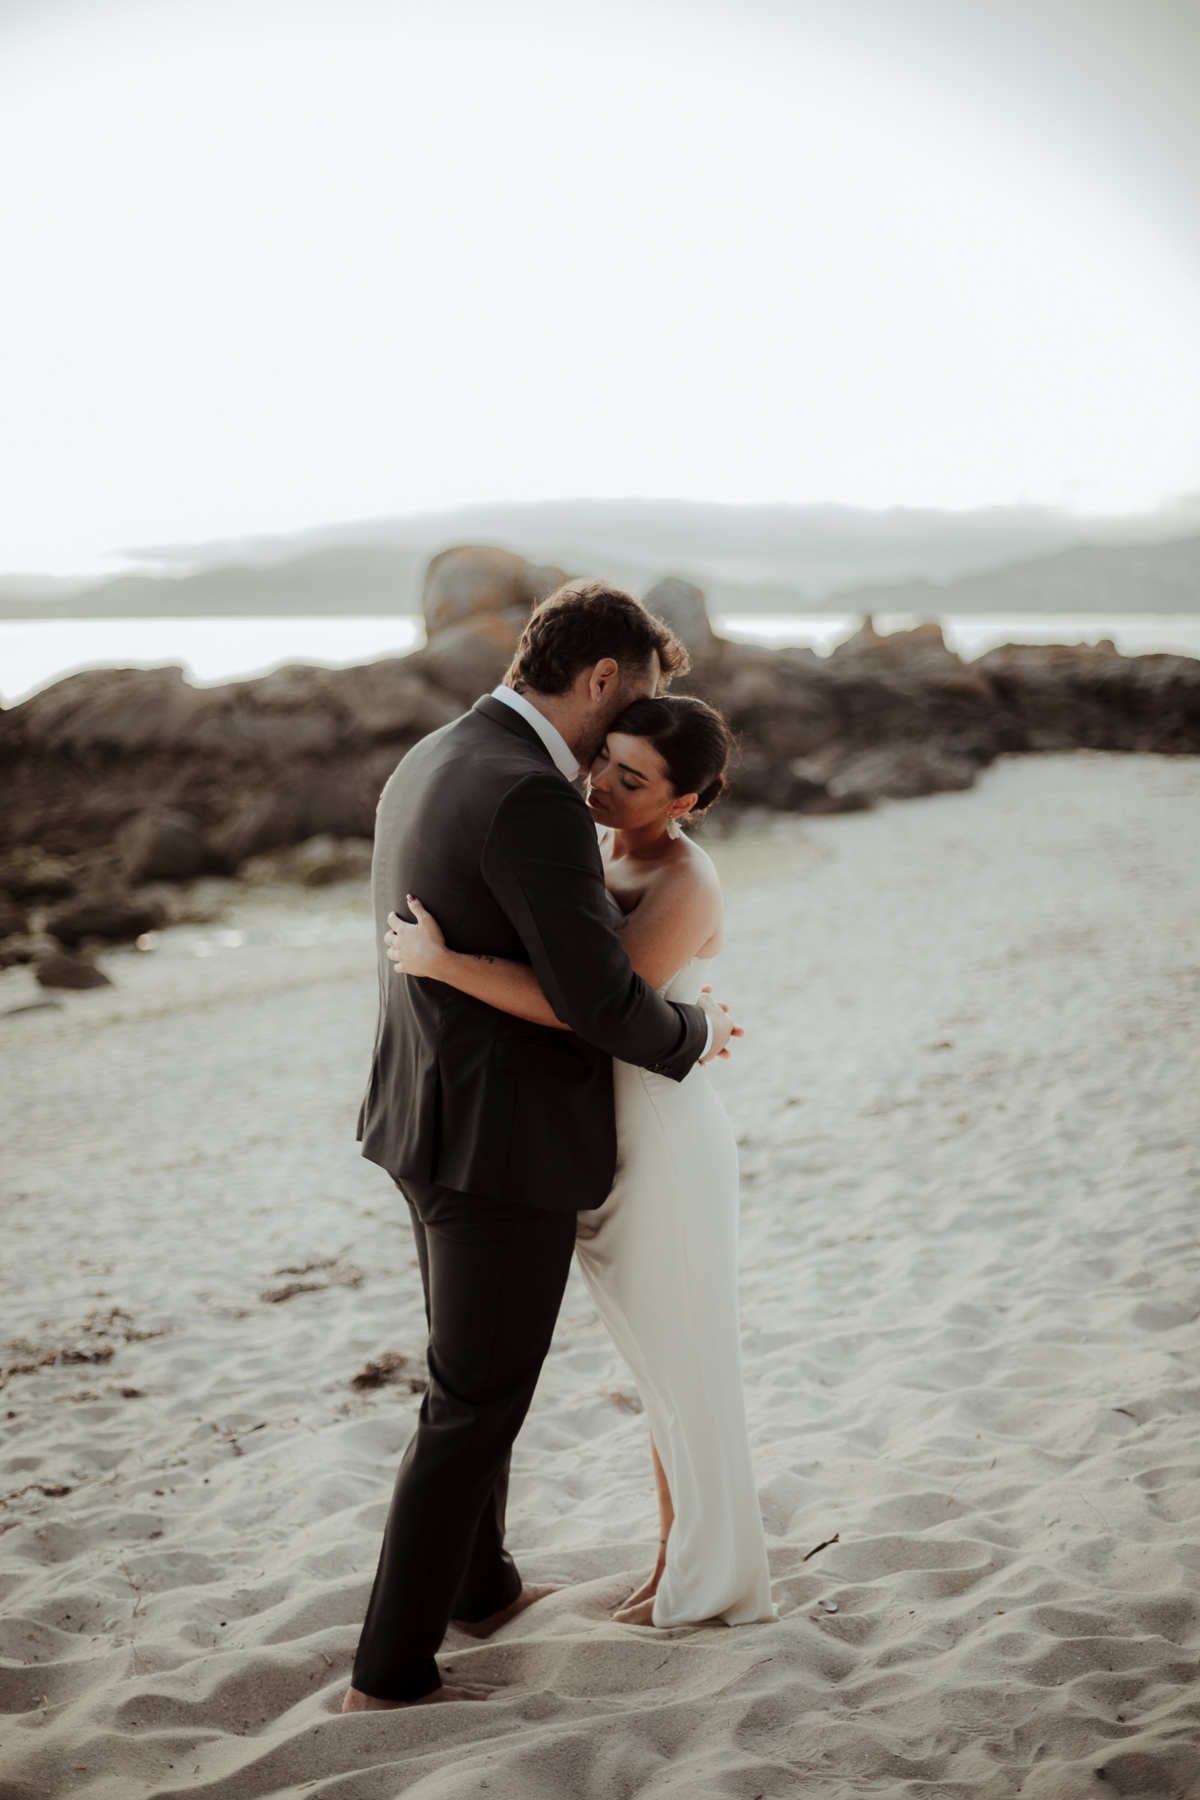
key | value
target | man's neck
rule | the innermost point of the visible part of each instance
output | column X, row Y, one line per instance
column 562, row 711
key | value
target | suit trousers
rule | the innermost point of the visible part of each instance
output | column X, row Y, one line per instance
column 493, row 1274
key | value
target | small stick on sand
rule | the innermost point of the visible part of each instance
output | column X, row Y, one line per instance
column 824, row 1546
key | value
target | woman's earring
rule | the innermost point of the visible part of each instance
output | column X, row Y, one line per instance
column 674, row 828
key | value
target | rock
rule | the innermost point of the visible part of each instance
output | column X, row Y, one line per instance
column 760, row 780
column 115, row 919
column 319, row 862
column 69, row 972
column 476, row 605
column 469, row 582
column 13, row 922
column 924, row 647
column 902, row 772
column 681, row 606
column 28, row 873
column 324, row 860
column 1064, row 697
column 21, row 949
column 390, row 699
column 161, row 844
column 122, row 712
column 338, row 802
column 265, row 824
column 469, row 660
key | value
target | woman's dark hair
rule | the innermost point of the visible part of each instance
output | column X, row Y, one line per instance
column 691, row 737
column 581, row 624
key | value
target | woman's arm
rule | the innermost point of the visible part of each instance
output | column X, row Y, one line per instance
column 679, row 916
column 510, row 987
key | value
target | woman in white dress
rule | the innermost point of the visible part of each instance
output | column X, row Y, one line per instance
column 660, row 1257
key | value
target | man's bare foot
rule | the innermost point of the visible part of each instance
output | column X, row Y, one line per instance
column 640, row 1614
column 356, row 1702
column 483, row 1628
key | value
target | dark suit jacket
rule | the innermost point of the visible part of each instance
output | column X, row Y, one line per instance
column 479, row 824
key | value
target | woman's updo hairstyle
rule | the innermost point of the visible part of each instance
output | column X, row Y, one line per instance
column 693, row 740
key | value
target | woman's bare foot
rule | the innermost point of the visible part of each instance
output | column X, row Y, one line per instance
column 640, row 1614
column 483, row 1628
column 647, row 1590
column 641, row 1595
column 356, row 1702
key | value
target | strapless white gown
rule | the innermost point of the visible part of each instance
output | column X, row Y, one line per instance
column 662, row 1271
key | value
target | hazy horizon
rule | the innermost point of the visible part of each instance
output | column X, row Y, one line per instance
column 806, row 552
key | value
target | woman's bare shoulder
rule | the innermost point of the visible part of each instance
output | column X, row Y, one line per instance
column 689, row 879
column 695, row 867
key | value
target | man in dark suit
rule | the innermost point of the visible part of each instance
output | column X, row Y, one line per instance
column 498, row 1131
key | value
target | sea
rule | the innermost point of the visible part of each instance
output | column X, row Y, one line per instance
column 36, row 652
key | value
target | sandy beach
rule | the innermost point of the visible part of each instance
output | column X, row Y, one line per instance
column 967, row 1112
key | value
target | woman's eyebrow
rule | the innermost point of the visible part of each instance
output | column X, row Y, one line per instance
column 629, row 770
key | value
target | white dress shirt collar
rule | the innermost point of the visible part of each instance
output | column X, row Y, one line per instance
column 560, row 754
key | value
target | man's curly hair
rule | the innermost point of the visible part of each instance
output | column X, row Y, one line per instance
column 579, row 625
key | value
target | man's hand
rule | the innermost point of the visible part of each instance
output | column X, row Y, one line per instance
column 723, row 1026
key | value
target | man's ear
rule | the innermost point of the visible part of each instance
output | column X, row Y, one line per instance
column 602, row 679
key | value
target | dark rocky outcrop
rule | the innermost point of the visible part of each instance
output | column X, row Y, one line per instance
column 133, row 776
column 110, row 918
column 1081, row 697
column 13, row 921
column 69, row 972
column 900, row 716
column 179, row 778
column 161, row 844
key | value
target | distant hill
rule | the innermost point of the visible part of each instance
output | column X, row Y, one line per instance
column 328, row 582
column 1094, row 578
column 763, row 559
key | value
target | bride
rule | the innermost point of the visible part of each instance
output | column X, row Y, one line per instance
column 660, row 1256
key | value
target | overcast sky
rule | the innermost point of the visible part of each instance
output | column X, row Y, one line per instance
column 273, row 262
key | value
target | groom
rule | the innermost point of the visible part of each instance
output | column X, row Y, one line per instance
column 498, row 1131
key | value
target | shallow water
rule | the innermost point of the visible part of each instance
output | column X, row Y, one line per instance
column 35, row 652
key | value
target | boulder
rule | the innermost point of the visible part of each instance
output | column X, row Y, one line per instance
column 161, row 844
column 1064, row 697
column 13, row 921
column 393, row 698
column 29, row 873
column 470, row 581
column 681, row 606
column 121, row 712
column 318, row 862
column 14, row 951
column 264, row 824
column 322, row 861
column 113, row 918
column 69, row 972
column 469, row 660
column 924, row 647
column 902, row 771
column 756, row 779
